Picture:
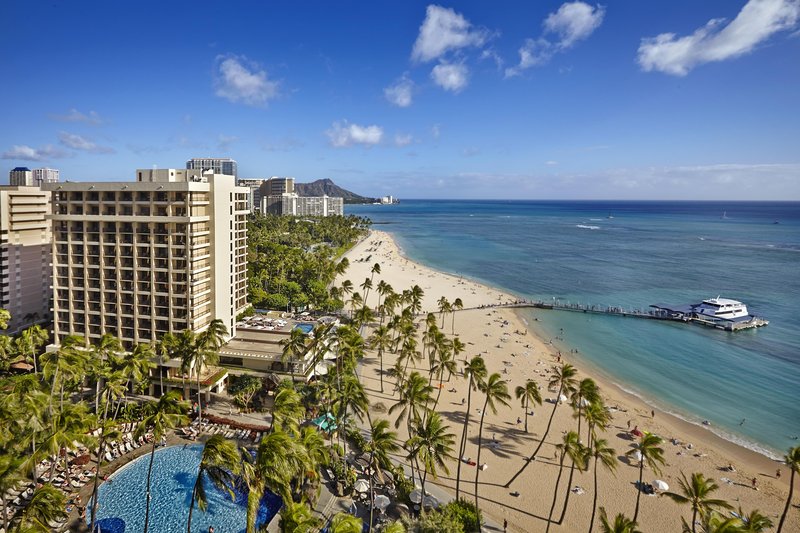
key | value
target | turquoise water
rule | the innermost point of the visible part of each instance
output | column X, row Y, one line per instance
column 633, row 254
column 305, row 327
column 122, row 498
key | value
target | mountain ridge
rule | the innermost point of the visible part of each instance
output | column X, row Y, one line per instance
column 326, row 186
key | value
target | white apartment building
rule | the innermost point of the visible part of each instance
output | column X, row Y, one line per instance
column 302, row 206
column 162, row 254
column 217, row 165
column 45, row 175
column 25, row 241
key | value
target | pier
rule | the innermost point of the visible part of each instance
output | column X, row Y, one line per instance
column 656, row 312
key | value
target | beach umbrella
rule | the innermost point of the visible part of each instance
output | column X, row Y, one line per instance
column 430, row 501
column 415, row 496
column 82, row 460
column 398, row 510
column 585, row 402
column 637, row 455
column 362, row 485
column 562, row 399
column 381, row 501
column 660, row 485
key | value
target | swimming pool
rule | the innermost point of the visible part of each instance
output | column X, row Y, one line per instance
column 305, row 327
column 122, row 498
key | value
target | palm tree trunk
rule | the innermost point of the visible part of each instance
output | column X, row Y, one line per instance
column 555, row 492
column 463, row 444
column 149, row 473
column 541, row 442
column 694, row 518
column 638, row 492
column 569, row 491
column 594, row 497
column 191, row 507
column 788, row 500
column 380, row 356
column 480, row 441
column 5, row 512
column 252, row 509
column 96, row 481
column 371, row 490
column 526, row 414
column 199, row 403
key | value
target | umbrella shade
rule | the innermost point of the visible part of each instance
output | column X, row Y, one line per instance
column 398, row 510
column 660, row 485
column 381, row 501
column 430, row 501
column 362, row 485
column 415, row 496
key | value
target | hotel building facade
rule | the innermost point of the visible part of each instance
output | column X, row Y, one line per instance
column 140, row 259
column 25, row 243
column 217, row 165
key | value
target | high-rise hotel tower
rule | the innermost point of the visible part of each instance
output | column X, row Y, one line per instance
column 139, row 259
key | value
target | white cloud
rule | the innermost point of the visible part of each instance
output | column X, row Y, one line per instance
column 574, row 21
column 224, row 141
column 531, row 54
column 551, row 163
column 436, row 131
column 443, row 30
column 343, row 134
column 403, row 139
column 77, row 142
column 24, row 152
column 450, row 76
column 76, row 116
column 755, row 23
column 241, row 81
column 401, row 92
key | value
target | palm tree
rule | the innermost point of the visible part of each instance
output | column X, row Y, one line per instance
column 10, row 477
column 792, row 459
column 380, row 340
column 578, row 456
column 696, row 493
column 345, row 523
column 585, row 394
column 607, row 456
column 29, row 342
column 296, row 517
column 457, row 305
column 108, row 431
column 753, row 522
column 495, row 392
column 366, row 287
column 444, row 308
column 415, row 297
column 220, row 462
column 206, row 352
column 527, row 394
column 160, row 416
column 597, row 417
column 431, row 446
column 68, row 425
column 293, row 347
column 651, row 454
column 475, row 372
column 277, row 461
column 563, row 378
column 363, row 316
column 381, row 443
column 47, row 505
column 621, row 523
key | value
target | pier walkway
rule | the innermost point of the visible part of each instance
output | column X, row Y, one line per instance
column 656, row 312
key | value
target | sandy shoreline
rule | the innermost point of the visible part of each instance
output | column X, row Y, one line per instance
column 510, row 347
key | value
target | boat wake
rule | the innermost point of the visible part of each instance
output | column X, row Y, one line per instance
column 584, row 226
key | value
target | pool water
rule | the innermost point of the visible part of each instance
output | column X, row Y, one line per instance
column 122, row 497
column 305, row 327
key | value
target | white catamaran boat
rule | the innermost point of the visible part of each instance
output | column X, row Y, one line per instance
column 723, row 308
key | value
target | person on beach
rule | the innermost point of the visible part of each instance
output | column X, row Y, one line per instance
column 505, row 525
column 778, row 473
column 755, row 484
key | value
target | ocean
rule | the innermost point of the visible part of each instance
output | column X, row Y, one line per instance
column 632, row 255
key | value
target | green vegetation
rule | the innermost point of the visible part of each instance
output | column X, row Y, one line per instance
column 292, row 261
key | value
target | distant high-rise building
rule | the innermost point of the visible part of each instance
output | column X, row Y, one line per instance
column 21, row 176
column 45, row 175
column 255, row 191
column 216, row 165
column 274, row 188
column 140, row 259
column 25, row 241
column 291, row 204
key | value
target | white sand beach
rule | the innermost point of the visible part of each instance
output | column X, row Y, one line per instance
column 510, row 348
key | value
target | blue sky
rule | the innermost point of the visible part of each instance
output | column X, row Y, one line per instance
column 627, row 100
